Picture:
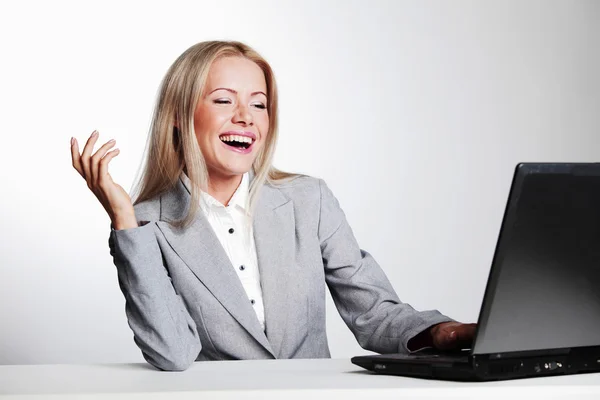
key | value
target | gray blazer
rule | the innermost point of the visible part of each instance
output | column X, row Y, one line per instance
column 184, row 301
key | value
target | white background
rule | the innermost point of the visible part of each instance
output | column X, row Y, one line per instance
column 415, row 113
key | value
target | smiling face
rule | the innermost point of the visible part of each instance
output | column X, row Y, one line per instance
column 231, row 119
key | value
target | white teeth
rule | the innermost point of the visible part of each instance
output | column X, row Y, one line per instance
column 236, row 138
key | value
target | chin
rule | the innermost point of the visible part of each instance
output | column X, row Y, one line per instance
column 240, row 171
column 233, row 164
column 235, row 171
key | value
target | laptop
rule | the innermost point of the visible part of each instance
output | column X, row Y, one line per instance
column 540, row 314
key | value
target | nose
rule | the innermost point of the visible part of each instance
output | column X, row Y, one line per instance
column 242, row 115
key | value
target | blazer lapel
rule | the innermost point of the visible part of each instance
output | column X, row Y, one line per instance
column 200, row 249
column 274, row 237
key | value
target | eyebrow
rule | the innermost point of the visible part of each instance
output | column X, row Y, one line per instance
column 235, row 91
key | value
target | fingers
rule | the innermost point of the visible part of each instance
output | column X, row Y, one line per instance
column 103, row 176
column 87, row 165
column 464, row 335
column 76, row 157
column 95, row 160
column 85, row 157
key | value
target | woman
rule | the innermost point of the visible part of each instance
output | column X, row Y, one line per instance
column 224, row 257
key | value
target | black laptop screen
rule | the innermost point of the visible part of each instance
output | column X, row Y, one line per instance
column 544, row 288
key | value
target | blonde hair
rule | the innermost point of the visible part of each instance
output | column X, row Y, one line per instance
column 172, row 146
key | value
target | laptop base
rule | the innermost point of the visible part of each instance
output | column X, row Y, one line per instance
column 485, row 367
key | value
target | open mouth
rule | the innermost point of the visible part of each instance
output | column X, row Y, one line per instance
column 236, row 141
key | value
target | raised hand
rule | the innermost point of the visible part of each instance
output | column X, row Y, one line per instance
column 94, row 169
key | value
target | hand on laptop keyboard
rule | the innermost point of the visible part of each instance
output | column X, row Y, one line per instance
column 444, row 336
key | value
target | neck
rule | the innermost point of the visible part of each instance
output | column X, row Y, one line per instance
column 222, row 188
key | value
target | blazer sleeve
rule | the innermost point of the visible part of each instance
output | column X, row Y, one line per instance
column 360, row 290
column 162, row 327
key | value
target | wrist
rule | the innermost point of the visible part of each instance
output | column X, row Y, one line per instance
column 124, row 221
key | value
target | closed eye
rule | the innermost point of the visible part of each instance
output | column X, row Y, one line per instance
column 226, row 101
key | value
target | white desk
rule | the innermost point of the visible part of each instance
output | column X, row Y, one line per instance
column 266, row 379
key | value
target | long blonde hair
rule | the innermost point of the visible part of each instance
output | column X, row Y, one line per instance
column 172, row 146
